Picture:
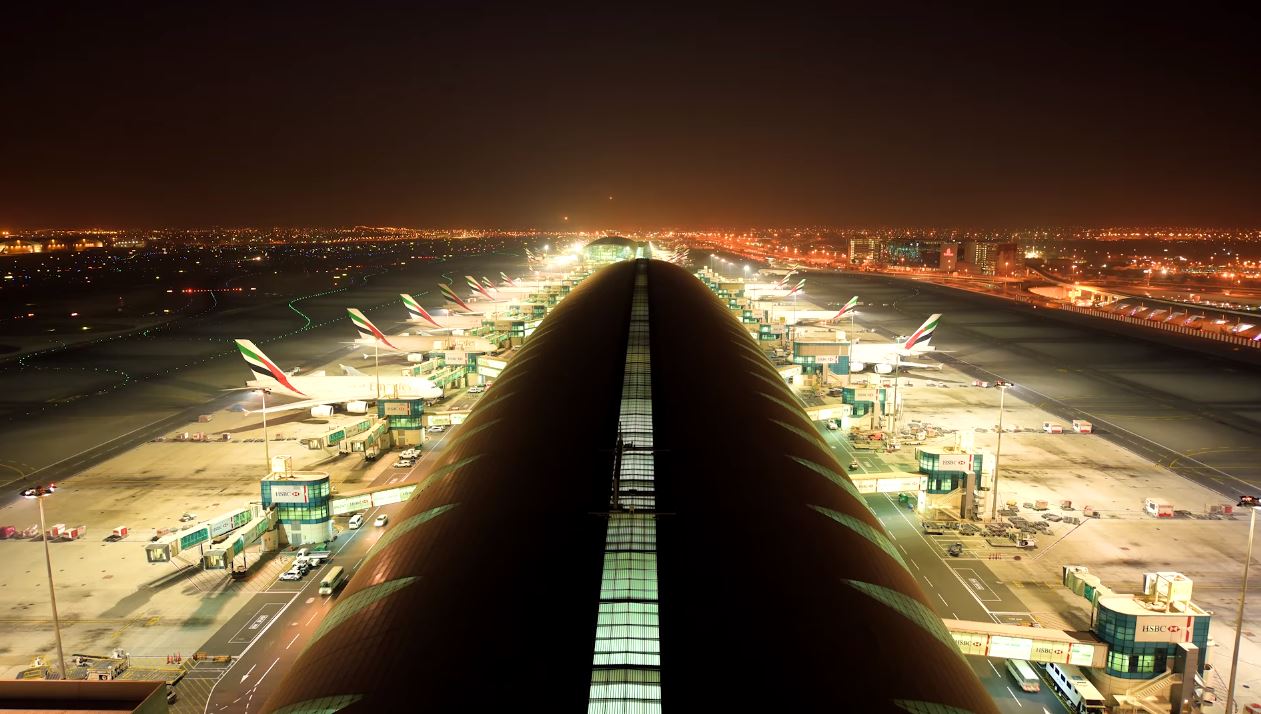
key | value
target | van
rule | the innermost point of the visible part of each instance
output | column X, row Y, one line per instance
column 355, row 521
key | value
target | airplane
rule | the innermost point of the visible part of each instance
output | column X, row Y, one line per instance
column 418, row 314
column 509, row 281
column 783, row 282
column 318, row 389
column 885, row 357
column 413, row 345
column 846, row 309
column 479, row 288
column 449, row 295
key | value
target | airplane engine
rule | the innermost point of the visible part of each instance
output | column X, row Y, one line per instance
column 857, row 366
column 884, row 368
column 415, row 357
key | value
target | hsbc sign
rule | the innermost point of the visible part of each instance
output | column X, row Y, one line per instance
column 287, row 493
column 1158, row 628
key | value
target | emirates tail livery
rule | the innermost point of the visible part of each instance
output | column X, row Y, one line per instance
column 884, row 358
column 414, row 345
column 314, row 390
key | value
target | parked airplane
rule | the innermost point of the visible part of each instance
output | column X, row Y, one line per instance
column 478, row 288
column 846, row 309
column 418, row 314
column 370, row 336
column 314, row 390
column 455, row 300
column 886, row 357
column 509, row 281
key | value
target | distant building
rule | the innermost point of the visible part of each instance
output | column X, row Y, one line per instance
column 611, row 249
column 866, row 250
column 20, row 247
column 992, row 258
column 948, row 260
column 914, row 253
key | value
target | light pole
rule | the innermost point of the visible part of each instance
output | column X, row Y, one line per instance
column 39, row 493
column 266, row 445
column 1003, row 386
column 1252, row 503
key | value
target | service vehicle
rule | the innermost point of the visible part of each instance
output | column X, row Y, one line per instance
column 832, row 425
column 955, row 549
column 1081, row 426
column 476, row 389
column 332, row 580
column 1051, row 427
column 1023, row 673
column 1082, row 696
column 1157, row 508
column 355, row 521
column 381, row 520
column 436, row 429
column 291, row 574
column 404, row 464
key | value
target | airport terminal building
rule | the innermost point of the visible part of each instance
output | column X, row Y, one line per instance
column 594, row 543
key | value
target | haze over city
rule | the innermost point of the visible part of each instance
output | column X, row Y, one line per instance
column 628, row 116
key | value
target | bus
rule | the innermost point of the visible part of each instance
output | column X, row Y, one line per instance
column 1081, row 695
column 333, row 579
column 1024, row 675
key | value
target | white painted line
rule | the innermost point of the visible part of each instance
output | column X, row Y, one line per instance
column 1013, row 696
column 264, row 676
column 912, row 562
column 930, row 583
column 943, row 600
column 295, row 639
column 357, row 563
column 248, row 647
column 991, row 664
column 312, row 617
column 247, row 674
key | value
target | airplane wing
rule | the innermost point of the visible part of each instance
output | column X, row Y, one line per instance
column 351, row 371
column 920, row 365
column 291, row 406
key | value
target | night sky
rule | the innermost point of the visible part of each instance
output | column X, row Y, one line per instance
column 474, row 114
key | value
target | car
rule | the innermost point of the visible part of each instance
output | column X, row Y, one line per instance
column 302, row 566
column 381, row 520
column 476, row 389
column 853, row 465
column 404, row 464
column 188, row 517
column 955, row 549
column 171, row 696
column 832, row 425
column 355, row 521
column 409, row 453
column 436, row 429
column 291, row 574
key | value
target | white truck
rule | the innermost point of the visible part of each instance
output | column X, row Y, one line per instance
column 1081, row 426
column 1157, row 508
column 1051, row 427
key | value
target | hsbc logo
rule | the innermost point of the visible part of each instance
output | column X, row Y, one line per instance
column 1161, row 628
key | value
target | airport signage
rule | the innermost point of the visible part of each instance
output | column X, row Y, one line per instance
column 971, row 643
column 1010, row 647
column 954, row 462
column 398, row 408
column 1082, row 655
column 1163, row 628
column 350, row 504
column 288, row 493
column 456, row 357
column 865, row 394
column 826, row 359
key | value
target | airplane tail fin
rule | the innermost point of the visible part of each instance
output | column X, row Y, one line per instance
column 925, row 332
column 507, row 279
column 847, row 308
column 264, row 368
column 449, row 295
column 801, row 285
column 366, row 328
column 415, row 312
column 477, row 287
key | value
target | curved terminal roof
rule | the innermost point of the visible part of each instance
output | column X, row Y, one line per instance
column 613, row 241
column 637, row 517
